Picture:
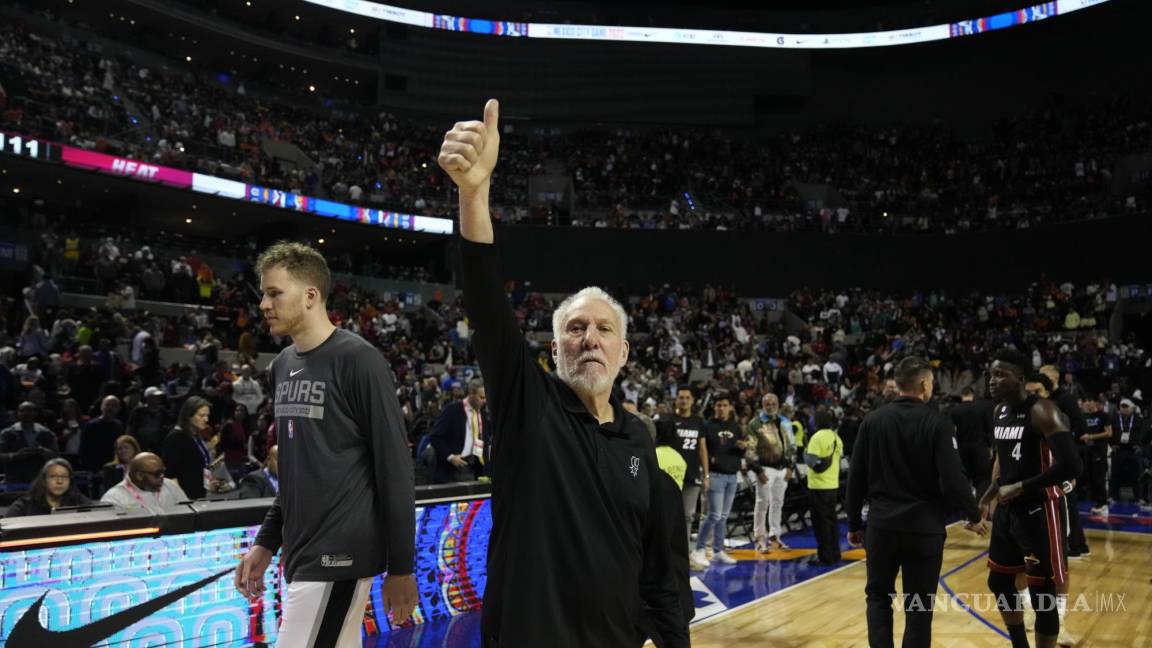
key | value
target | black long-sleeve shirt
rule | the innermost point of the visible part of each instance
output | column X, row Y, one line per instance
column 347, row 500
column 906, row 465
column 575, row 504
column 973, row 422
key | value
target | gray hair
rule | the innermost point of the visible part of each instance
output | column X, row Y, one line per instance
column 561, row 312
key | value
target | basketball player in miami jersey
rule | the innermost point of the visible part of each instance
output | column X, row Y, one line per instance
column 1035, row 454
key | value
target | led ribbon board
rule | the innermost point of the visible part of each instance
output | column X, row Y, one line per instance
column 614, row 33
column 16, row 145
column 80, row 585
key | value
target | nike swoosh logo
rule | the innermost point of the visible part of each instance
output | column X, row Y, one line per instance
column 293, row 373
column 1037, row 510
column 28, row 633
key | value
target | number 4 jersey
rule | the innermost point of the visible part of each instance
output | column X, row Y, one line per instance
column 1021, row 449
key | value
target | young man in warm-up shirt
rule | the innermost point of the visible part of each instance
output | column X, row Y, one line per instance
column 345, row 511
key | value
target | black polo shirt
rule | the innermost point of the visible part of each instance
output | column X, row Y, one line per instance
column 575, row 504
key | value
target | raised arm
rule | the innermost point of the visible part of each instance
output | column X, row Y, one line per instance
column 469, row 156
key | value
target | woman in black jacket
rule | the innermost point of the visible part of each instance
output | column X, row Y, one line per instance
column 186, row 455
column 51, row 489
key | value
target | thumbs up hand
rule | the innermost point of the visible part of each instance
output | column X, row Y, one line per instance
column 470, row 150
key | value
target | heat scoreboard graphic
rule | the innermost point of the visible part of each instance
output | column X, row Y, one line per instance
column 82, row 585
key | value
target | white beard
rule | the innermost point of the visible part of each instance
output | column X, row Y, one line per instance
column 584, row 383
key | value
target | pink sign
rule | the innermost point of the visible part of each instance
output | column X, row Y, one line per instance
column 134, row 169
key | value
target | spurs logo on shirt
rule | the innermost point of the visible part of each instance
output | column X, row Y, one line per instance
column 302, row 398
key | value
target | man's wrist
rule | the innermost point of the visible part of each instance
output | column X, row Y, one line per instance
column 475, row 197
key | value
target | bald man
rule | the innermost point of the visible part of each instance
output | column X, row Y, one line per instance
column 145, row 487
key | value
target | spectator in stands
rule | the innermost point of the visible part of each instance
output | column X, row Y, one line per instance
column 110, row 363
column 182, row 385
column 247, row 391
column 145, row 487
column 262, row 482
column 25, row 445
column 247, row 347
column 138, row 342
column 116, row 470
column 9, row 386
column 234, row 435
column 220, row 399
column 149, row 420
column 29, row 375
column 149, row 372
column 186, row 453
column 889, row 394
column 33, row 339
column 47, row 299
column 51, row 489
column 459, row 436
column 100, row 435
column 69, row 427
column 423, row 423
column 84, row 378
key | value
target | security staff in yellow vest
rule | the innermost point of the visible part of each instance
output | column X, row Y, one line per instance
column 822, row 457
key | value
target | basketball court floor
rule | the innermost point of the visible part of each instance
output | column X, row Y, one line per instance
column 780, row 600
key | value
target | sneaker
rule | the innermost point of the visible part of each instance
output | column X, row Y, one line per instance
column 1100, row 510
column 723, row 558
column 778, row 545
column 762, row 546
column 698, row 558
column 1064, row 639
column 694, row 565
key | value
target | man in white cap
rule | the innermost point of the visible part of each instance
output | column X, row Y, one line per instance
column 1129, row 434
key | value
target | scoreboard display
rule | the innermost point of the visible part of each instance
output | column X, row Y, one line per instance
column 29, row 147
